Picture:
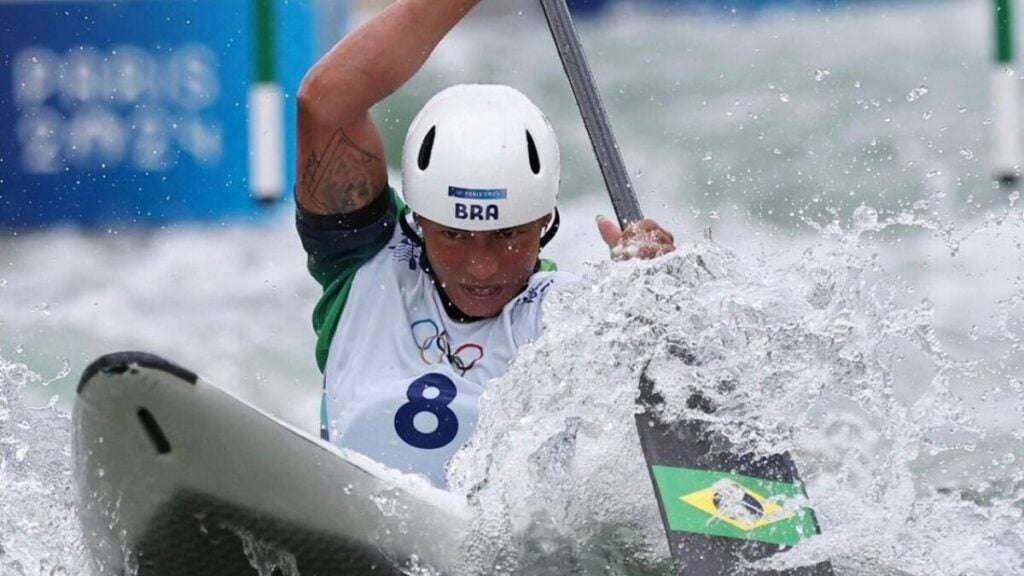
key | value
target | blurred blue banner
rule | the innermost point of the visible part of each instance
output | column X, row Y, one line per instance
column 135, row 112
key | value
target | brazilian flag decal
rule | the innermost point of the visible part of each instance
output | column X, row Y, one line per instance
column 733, row 506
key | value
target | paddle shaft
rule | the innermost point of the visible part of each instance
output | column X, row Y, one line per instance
column 595, row 118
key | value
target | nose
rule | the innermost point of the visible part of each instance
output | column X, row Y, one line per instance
column 483, row 264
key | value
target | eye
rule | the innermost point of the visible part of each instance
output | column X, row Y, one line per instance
column 508, row 233
column 453, row 234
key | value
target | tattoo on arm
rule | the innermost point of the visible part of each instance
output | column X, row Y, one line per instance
column 340, row 180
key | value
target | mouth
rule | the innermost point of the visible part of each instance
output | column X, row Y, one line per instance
column 481, row 292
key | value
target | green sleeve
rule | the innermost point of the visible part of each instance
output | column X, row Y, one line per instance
column 337, row 247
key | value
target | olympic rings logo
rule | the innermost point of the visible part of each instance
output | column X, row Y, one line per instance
column 429, row 337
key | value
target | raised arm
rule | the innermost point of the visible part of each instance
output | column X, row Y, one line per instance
column 341, row 164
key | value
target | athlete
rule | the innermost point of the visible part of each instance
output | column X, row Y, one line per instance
column 427, row 298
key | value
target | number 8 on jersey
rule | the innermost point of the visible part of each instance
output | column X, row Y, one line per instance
column 447, row 423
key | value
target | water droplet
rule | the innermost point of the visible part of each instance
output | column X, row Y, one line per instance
column 856, row 84
column 3, row 283
column 961, row 109
column 973, row 334
column 784, row 97
column 819, row 75
column 865, row 218
column 927, row 115
column 777, row 152
column 1013, row 197
column 933, row 173
column 967, row 153
column 917, row 93
column 100, row 472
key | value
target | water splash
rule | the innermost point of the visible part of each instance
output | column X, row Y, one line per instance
column 39, row 533
column 266, row 558
column 822, row 357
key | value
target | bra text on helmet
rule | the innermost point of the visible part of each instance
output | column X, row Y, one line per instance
column 476, row 212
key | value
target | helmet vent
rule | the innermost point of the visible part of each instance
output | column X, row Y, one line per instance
column 534, row 156
column 427, row 148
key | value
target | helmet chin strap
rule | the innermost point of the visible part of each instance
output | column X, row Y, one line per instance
column 453, row 311
column 407, row 228
column 549, row 234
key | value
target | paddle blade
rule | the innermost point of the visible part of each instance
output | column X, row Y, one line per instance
column 720, row 509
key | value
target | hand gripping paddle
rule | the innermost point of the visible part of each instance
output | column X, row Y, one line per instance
column 719, row 508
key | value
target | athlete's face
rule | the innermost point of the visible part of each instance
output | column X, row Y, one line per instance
column 482, row 271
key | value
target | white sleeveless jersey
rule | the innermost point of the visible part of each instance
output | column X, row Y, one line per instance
column 403, row 380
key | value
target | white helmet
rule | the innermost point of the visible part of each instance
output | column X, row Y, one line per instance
column 480, row 157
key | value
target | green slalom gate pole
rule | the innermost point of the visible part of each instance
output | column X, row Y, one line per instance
column 1004, row 32
column 264, row 11
column 266, row 112
column 1006, row 150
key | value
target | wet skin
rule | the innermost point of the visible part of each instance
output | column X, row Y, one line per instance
column 482, row 271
